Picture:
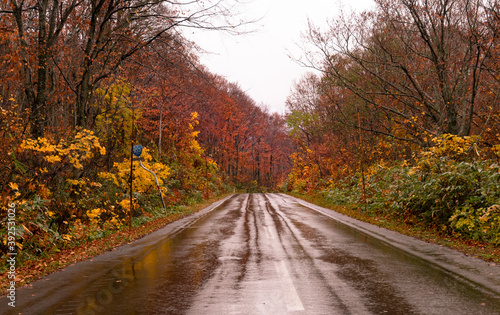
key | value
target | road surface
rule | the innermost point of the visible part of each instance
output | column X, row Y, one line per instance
column 269, row 254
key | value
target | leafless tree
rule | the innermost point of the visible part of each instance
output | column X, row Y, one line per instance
column 83, row 42
column 416, row 65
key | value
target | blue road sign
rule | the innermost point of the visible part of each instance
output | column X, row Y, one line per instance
column 137, row 150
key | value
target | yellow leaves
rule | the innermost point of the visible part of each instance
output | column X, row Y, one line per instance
column 453, row 146
column 75, row 162
column 75, row 151
column 195, row 146
column 450, row 146
column 52, row 158
column 102, row 150
column 95, row 214
column 194, row 120
column 115, row 221
column 195, row 134
column 13, row 186
column 75, row 181
column 194, row 116
column 92, row 214
column 125, row 203
column 48, row 157
column 143, row 180
column 40, row 145
column 212, row 164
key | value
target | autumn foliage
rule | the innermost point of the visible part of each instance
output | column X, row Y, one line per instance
column 83, row 81
column 401, row 116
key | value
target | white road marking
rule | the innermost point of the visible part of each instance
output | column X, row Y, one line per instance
column 268, row 233
column 292, row 299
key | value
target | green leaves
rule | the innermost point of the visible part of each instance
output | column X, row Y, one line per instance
column 460, row 198
column 301, row 123
column 21, row 167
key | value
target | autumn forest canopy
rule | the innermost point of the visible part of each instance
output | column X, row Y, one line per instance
column 398, row 77
column 400, row 101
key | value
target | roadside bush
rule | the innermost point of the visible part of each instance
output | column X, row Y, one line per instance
column 47, row 188
column 447, row 188
column 343, row 192
column 433, row 197
column 447, row 178
column 479, row 224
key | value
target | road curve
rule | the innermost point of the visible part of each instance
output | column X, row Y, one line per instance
column 269, row 254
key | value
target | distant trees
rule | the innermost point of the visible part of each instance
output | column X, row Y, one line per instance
column 249, row 144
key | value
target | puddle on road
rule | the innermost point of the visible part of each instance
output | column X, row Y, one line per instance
column 164, row 280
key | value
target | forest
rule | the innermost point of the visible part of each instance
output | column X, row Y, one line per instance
column 82, row 82
column 398, row 117
column 401, row 117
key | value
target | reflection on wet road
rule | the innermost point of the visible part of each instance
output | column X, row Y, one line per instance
column 262, row 254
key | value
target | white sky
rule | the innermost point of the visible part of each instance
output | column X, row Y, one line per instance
column 259, row 61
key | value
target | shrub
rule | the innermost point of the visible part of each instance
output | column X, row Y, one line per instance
column 446, row 189
column 480, row 224
column 434, row 196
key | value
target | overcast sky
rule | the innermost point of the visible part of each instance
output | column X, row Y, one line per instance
column 259, row 62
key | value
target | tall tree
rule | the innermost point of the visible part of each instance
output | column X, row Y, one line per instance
column 79, row 43
column 411, row 64
column 38, row 26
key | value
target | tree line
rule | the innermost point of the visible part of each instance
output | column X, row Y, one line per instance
column 81, row 81
column 90, row 64
column 391, row 80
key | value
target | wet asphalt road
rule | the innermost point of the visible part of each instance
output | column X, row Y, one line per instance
column 269, row 254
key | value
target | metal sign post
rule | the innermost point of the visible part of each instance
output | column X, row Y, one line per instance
column 137, row 151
